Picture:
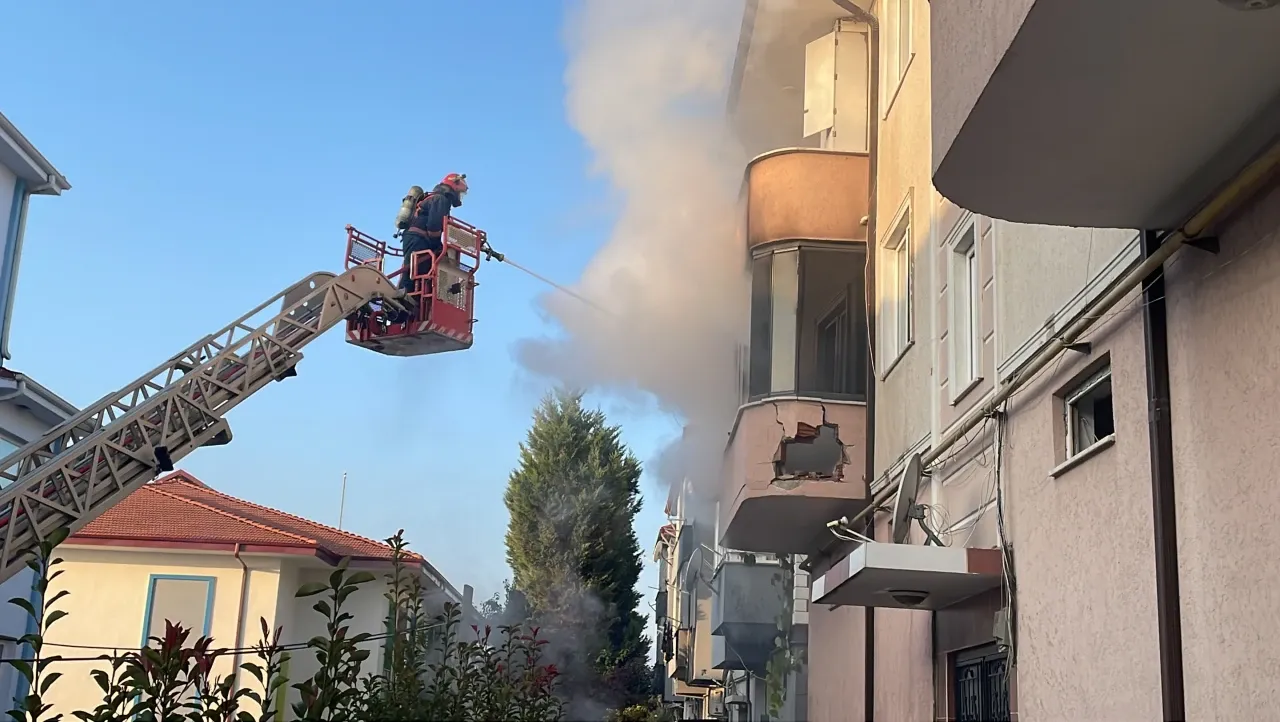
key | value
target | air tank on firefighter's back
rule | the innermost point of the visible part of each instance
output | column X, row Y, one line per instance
column 406, row 207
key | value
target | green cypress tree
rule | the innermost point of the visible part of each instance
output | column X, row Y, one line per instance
column 574, row 552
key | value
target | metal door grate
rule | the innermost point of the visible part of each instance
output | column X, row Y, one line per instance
column 982, row 687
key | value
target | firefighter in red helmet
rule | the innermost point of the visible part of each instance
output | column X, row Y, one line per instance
column 426, row 227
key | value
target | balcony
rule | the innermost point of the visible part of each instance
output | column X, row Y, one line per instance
column 744, row 615
column 792, row 465
column 1097, row 113
column 807, row 194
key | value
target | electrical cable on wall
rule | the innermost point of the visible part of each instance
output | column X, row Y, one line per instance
column 1009, row 578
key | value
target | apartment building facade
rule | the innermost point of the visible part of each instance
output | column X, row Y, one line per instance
column 28, row 410
column 1003, row 379
column 1038, row 127
column 690, row 684
column 719, row 615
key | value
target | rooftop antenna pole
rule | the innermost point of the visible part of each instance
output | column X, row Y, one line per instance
column 342, row 502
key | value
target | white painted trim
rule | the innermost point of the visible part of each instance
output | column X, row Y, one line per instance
column 1069, row 402
column 996, row 316
column 966, row 221
column 894, row 86
column 1085, row 454
column 905, row 213
column 978, row 511
column 935, row 392
column 1126, row 259
column 958, row 397
column 38, row 169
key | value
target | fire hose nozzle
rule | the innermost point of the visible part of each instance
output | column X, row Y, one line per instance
column 492, row 254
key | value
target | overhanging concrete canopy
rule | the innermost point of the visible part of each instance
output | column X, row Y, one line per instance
column 938, row 577
column 1099, row 113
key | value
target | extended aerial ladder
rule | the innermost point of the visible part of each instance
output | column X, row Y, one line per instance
column 91, row 462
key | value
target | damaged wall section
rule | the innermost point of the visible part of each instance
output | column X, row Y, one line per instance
column 785, row 469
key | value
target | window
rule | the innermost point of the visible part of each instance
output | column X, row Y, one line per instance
column 981, row 685
column 187, row 601
column 833, row 348
column 808, row 322
column 1089, row 414
column 964, row 296
column 896, row 18
column 897, row 302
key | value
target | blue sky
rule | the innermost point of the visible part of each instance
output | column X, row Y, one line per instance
column 217, row 150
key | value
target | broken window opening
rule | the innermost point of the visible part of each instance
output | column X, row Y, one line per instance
column 813, row 453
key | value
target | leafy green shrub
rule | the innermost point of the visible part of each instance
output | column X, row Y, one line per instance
column 430, row 670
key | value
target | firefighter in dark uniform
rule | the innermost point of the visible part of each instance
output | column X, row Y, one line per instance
column 426, row 227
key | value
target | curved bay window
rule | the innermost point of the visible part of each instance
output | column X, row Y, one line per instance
column 808, row 321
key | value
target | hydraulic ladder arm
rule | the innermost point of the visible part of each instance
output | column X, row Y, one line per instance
column 94, row 460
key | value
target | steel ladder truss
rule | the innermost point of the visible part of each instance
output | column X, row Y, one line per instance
column 93, row 461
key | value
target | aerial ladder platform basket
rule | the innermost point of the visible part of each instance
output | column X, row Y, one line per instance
column 89, row 463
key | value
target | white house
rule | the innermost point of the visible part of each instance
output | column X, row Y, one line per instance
column 27, row 409
column 179, row 550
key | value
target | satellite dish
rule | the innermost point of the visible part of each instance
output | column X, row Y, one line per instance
column 908, row 486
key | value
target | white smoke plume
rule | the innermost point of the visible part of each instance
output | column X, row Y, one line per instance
column 646, row 89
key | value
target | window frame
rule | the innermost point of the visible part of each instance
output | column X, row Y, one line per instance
column 211, row 582
column 964, row 276
column 897, row 337
column 856, row 308
column 898, row 49
column 1065, row 399
column 830, row 320
column 1071, row 411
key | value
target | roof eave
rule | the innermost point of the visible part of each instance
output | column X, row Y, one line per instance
column 35, row 168
column 210, row 545
column 46, row 405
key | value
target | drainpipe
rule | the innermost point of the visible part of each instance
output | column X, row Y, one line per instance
column 873, row 152
column 1165, row 516
column 12, row 256
column 240, row 612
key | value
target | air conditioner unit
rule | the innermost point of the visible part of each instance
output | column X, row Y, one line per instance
column 716, row 708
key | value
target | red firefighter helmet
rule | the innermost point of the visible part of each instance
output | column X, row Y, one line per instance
column 456, row 181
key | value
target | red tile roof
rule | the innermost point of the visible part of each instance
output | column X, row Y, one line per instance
column 179, row 510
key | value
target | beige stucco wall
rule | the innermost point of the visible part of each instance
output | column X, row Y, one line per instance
column 368, row 608
column 107, row 601
column 1042, row 269
column 836, row 638
column 903, row 175
column 904, row 655
column 1083, row 548
column 108, row 597
column 1223, row 352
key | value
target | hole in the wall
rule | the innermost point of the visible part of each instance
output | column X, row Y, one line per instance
column 815, row 452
